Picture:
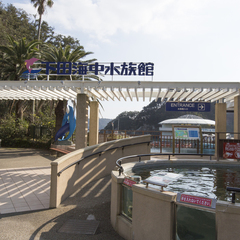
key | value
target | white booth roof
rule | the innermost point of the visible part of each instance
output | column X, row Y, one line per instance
column 188, row 119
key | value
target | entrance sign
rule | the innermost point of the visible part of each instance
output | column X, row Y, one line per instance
column 231, row 150
column 188, row 106
column 195, row 200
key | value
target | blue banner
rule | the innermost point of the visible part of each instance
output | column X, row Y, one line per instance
column 188, row 106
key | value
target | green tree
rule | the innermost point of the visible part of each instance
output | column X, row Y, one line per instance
column 64, row 41
column 14, row 22
column 14, row 55
column 41, row 6
column 65, row 54
column 12, row 63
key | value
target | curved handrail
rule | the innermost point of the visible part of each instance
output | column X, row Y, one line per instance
column 119, row 161
column 99, row 153
column 233, row 190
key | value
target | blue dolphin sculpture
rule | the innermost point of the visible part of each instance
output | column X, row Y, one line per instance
column 68, row 125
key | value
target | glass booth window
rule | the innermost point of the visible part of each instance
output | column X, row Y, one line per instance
column 195, row 224
column 127, row 201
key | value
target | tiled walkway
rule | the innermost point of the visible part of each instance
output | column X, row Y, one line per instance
column 24, row 189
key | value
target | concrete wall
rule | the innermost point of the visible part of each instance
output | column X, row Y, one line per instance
column 153, row 212
column 157, row 206
column 227, row 220
column 153, row 215
column 91, row 168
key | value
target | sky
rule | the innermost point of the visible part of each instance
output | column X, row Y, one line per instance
column 187, row 40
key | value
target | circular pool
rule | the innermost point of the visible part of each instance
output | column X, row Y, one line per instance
column 204, row 179
column 147, row 211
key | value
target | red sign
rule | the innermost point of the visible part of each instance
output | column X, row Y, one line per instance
column 231, row 150
column 128, row 182
column 201, row 201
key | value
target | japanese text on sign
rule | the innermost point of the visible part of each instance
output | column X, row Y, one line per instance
column 195, row 200
column 231, row 150
column 80, row 68
column 188, row 106
column 128, row 182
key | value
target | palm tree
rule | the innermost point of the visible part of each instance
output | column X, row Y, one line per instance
column 65, row 54
column 41, row 8
column 12, row 63
column 51, row 53
column 14, row 56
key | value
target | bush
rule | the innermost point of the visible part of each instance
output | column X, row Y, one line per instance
column 14, row 134
column 10, row 129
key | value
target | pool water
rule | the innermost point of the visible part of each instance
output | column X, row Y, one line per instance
column 204, row 181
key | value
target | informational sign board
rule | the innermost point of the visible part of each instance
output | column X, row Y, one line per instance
column 186, row 133
column 128, row 182
column 195, row 200
column 231, row 150
column 188, row 106
column 183, row 133
column 162, row 179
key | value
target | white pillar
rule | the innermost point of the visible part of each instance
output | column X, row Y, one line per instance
column 236, row 117
column 220, row 125
column 82, row 121
column 94, row 123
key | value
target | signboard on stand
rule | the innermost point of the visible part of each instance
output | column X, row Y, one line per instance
column 231, row 150
column 186, row 133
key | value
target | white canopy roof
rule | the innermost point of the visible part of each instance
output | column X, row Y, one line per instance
column 180, row 121
column 118, row 90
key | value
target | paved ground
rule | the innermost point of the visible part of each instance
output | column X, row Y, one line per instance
column 24, row 189
column 27, row 171
column 24, row 186
column 92, row 201
column 24, row 158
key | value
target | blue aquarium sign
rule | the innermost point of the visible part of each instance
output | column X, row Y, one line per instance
column 80, row 68
column 188, row 106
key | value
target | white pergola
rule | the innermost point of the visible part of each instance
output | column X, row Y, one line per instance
column 121, row 90
column 226, row 94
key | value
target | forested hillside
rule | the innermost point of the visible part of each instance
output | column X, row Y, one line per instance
column 151, row 115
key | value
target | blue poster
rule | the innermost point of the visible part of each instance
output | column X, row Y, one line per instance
column 188, row 106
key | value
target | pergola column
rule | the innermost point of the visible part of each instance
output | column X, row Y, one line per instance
column 82, row 121
column 94, row 123
column 220, row 124
column 236, row 117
